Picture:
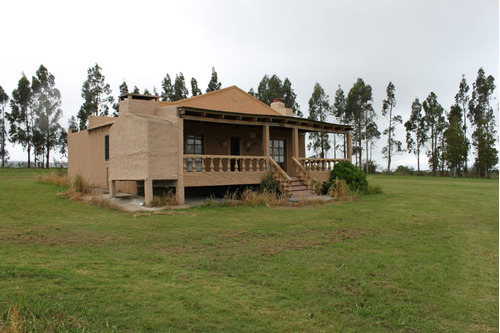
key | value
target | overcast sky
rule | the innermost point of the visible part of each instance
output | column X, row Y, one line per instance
column 419, row 45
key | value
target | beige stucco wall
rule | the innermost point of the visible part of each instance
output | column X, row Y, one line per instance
column 194, row 179
column 163, row 146
column 138, row 106
column 78, row 154
column 86, row 156
column 128, row 148
column 144, row 147
column 95, row 121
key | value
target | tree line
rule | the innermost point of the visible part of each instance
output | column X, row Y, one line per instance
column 35, row 114
column 35, row 111
column 99, row 101
column 429, row 125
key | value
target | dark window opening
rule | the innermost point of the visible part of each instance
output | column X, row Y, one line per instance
column 106, row 147
column 193, row 145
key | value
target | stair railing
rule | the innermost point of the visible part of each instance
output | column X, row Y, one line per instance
column 281, row 176
column 304, row 174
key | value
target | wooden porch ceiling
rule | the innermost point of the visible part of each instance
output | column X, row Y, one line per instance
column 235, row 118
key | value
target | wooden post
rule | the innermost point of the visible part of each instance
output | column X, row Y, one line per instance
column 349, row 147
column 265, row 144
column 295, row 142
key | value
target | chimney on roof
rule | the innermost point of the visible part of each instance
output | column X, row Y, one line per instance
column 279, row 107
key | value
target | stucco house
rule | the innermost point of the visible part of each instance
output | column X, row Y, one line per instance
column 221, row 138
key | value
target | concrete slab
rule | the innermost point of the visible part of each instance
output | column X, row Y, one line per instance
column 135, row 203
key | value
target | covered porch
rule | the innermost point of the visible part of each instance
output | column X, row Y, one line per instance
column 223, row 148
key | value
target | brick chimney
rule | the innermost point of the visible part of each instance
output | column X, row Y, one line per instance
column 278, row 106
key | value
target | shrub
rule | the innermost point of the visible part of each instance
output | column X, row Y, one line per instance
column 403, row 170
column 354, row 177
column 269, row 184
column 321, row 188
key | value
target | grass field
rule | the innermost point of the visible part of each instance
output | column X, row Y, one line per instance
column 422, row 256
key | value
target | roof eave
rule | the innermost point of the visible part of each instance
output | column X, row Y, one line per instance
column 314, row 125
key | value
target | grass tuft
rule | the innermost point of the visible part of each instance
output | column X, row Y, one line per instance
column 373, row 189
column 78, row 190
column 249, row 198
column 167, row 200
column 341, row 191
column 56, row 178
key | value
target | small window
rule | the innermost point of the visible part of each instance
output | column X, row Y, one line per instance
column 106, row 147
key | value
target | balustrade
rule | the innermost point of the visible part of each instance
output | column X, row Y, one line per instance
column 224, row 163
column 319, row 164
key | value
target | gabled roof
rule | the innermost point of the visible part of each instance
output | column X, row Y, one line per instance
column 231, row 99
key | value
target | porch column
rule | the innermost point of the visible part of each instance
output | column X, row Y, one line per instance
column 112, row 188
column 179, row 191
column 349, row 147
column 295, row 142
column 148, row 191
column 179, row 184
column 266, row 138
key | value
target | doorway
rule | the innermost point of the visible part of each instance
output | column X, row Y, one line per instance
column 277, row 151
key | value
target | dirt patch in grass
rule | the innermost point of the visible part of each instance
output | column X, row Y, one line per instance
column 55, row 237
column 308, row 239
column 232, row 242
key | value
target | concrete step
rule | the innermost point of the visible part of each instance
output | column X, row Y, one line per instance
column 298, row 196
column 301, row 192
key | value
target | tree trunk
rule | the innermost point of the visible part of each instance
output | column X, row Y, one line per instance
column 47, row 146
column 433, row 152
column 345, row 145
column 466, row 169
column 359, row 148
column 389, row 141
column 366, row 166
column 334, row 146
column 366, row 140
column 418, row 156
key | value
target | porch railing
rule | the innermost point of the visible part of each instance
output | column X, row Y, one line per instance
column 224, row 163
column 319, row 164
column 253, row 168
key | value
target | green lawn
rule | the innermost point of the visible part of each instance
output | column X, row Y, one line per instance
column 421, row 257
